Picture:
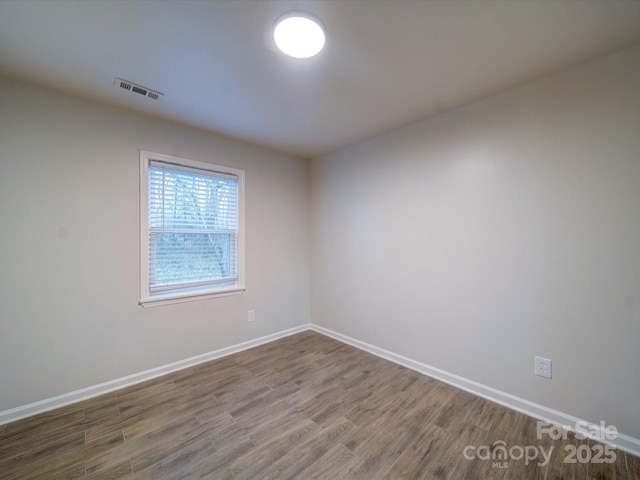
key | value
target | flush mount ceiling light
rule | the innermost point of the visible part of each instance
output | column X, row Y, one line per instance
column 298, row 35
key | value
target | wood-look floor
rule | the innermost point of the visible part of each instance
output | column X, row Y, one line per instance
column 305, row 407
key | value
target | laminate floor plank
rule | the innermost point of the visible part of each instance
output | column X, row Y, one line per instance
column 633, row 465
column 332, row 404
column 68, row 466
column 269, row 405
column 29, row 460
column 414, row 395
column 415, row 458
column 301, row 407
column 120, row 470
column 386, row 446
column 302, row 457
column 166, row 440
column 335, row 464
column 357, row 440
column 445, row 462
column 43, row 426
column 104, row 452
column 369, row 409
column 260, row 458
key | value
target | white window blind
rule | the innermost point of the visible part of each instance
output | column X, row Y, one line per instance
column 193, row 228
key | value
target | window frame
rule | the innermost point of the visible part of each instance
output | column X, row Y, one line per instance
column 148, row 299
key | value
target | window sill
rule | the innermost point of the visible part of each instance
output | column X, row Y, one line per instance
column 169, row 299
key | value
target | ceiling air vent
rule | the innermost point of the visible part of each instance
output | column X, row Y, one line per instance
column 137, row 89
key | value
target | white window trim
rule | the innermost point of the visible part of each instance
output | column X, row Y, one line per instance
column 147, row 300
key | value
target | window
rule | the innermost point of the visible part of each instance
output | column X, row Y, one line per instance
column 191, row 229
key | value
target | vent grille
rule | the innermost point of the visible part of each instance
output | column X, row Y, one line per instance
column 137, row 89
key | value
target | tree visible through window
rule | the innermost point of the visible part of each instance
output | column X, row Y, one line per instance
column 193, row 219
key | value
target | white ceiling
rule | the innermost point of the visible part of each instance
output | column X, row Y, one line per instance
column 387, row 63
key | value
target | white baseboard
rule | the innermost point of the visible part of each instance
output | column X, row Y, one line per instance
column 623, row 442
column 41, row 406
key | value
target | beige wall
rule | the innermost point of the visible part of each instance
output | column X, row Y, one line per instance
column 502, row 230
column 471, row 242
column 69, row 248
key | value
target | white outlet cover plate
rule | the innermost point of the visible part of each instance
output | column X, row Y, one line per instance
column 542, row 367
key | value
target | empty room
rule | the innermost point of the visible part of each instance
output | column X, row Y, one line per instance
column 320, row 239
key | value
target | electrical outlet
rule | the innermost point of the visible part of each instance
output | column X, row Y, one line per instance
column 543, row 367
column 251, row 316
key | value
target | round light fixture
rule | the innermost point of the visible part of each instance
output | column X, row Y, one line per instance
column 298, row 35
